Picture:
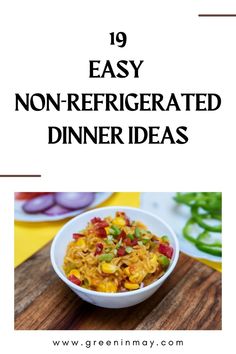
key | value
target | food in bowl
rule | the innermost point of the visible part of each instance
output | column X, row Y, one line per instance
column 115, row 254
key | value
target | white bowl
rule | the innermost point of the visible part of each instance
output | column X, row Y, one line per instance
column 112, row 300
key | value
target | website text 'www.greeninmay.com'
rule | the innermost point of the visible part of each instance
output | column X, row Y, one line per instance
column 118, row 343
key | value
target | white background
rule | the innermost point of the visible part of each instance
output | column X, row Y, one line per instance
column 46, row 46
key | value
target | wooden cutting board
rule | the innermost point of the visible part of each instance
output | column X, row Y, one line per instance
column 189, row 299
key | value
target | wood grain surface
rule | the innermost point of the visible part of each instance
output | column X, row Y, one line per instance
column 189, row 299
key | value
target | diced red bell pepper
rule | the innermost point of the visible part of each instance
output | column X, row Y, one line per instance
column 122, row 235
column 101, row 232
column 77, row 235
column 95, row 220
column 134, row 242
column 128, row 241
column 127, row 220
column 99, row 227
column 166, row 250
column 121, row 251
column 100, row 224
column 99, row 248
column 74, row 280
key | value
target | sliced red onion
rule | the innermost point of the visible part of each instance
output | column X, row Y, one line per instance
column 56, row 210
column 74, row 200
column 38, row 204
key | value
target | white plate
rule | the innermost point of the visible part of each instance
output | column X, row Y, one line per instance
column 163, row 205
column 20, row 215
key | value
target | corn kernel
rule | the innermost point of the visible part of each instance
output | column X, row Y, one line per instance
column 107, row 230
column 108, row 268
column 119, row 221
column 127, row 271
column 138, row 276
column 74, row 272
column 107, row 287
column 80, row 242
column 131, row 286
